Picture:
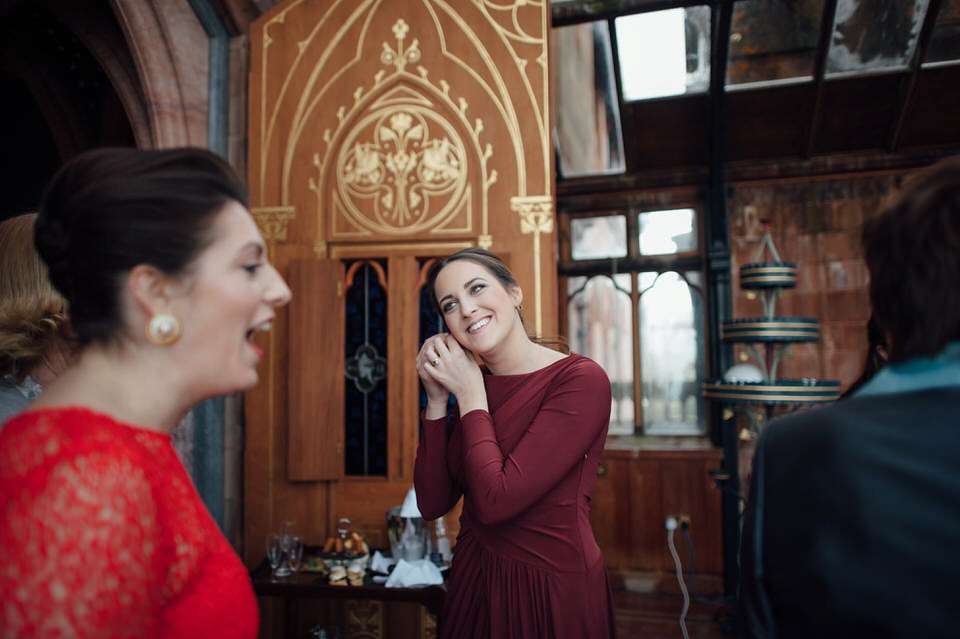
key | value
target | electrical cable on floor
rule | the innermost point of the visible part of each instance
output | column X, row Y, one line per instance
column 683, row 586
column 693, row 570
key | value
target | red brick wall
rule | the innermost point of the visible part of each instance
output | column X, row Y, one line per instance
column 815, row 224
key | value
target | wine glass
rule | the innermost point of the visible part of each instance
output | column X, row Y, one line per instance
column 275, row 552
column 294, row 552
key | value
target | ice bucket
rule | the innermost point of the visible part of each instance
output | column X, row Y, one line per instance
column 408, row 536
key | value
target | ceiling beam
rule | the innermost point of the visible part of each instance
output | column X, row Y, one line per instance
column 819, row 71
column 909, row 83
column 566, row 13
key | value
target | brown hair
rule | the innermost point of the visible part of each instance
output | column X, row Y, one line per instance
column 912, row 250
column 32, row 313
column 496, row 267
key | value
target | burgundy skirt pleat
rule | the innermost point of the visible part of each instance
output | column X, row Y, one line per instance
column 492, row 596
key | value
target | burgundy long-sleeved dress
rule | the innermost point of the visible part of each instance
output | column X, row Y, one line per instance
column 526, row 563
column 102, row 535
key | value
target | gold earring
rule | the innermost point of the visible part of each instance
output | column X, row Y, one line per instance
column 163, row 329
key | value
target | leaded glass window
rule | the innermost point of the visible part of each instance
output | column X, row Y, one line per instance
column 672, row 353
column 365, row 391
column 632, row 287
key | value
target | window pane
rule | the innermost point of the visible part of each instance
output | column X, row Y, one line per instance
column 944, row 43
column 773, row 40
column 671, row 357
column 664, row 52
column 585, row 101
column 365, row 391
column 601, row 326
column 874, row 35
column 598, row 237
column 665, row 232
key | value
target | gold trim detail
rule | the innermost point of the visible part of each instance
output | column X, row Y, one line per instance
column 273, row 221
column 364, row 619
column 536, row 217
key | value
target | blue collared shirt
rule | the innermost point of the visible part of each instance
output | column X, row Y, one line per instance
column 920, row 373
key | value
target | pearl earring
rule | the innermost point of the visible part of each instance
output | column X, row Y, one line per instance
column 163, row 329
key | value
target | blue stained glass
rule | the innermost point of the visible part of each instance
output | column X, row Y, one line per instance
column 365, row 366
column 431, row 323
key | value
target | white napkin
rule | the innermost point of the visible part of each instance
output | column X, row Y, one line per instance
column 414, row 573
column 409, row 507
column 379, row 563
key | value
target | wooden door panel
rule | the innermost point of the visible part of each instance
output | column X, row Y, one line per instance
column 314, row 395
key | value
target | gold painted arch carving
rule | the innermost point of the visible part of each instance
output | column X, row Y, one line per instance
column 377, row 121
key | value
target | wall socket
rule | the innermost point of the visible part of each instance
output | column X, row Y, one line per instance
column 682, row 520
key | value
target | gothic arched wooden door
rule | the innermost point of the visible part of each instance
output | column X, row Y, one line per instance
column 382, row 135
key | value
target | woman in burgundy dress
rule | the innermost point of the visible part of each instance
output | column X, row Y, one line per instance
column 522, row 450
column 102, row 533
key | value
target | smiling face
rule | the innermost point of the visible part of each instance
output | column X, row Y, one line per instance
column 230, row 293
column 478, row 310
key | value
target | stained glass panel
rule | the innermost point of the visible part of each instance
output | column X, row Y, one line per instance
column 365, row 391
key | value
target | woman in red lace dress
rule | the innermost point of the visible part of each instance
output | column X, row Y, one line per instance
column 522, row 450
column 102, row 533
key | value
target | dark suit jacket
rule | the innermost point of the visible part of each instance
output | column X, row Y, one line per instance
column 852, row 527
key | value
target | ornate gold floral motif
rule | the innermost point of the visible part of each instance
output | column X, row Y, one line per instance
column 401, row 56
column 536, row 217
column 364, row 619
column 536, row 213
column 401, row 169
column 273, row 221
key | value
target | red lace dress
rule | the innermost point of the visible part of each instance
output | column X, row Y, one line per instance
column 526, row 564
column 102, row 534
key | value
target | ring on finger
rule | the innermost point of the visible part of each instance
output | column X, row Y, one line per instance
column 435, row 361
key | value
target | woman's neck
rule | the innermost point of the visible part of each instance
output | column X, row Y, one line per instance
column 518, row 355
column 133, row 390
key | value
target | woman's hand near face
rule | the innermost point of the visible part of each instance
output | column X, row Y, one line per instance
column 437, row 394
column 455, row 370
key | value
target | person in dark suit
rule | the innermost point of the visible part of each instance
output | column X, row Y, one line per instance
column 852, row 526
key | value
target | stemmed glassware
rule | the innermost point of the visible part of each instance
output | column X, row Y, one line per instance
column 294, row 552
column 284, row 551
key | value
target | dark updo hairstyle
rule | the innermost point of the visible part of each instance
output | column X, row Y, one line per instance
column 110, row 209
column 912, row 250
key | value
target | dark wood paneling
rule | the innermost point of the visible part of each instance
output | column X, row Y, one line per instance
column 857, row 113
column 636, row 490
column 666, row 133
column 933, row 116
column 766, row 123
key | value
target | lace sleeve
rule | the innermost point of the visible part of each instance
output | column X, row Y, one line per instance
column 81, row 548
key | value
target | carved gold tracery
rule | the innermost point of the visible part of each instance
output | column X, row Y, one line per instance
column 401, row 170
column 440, row 104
